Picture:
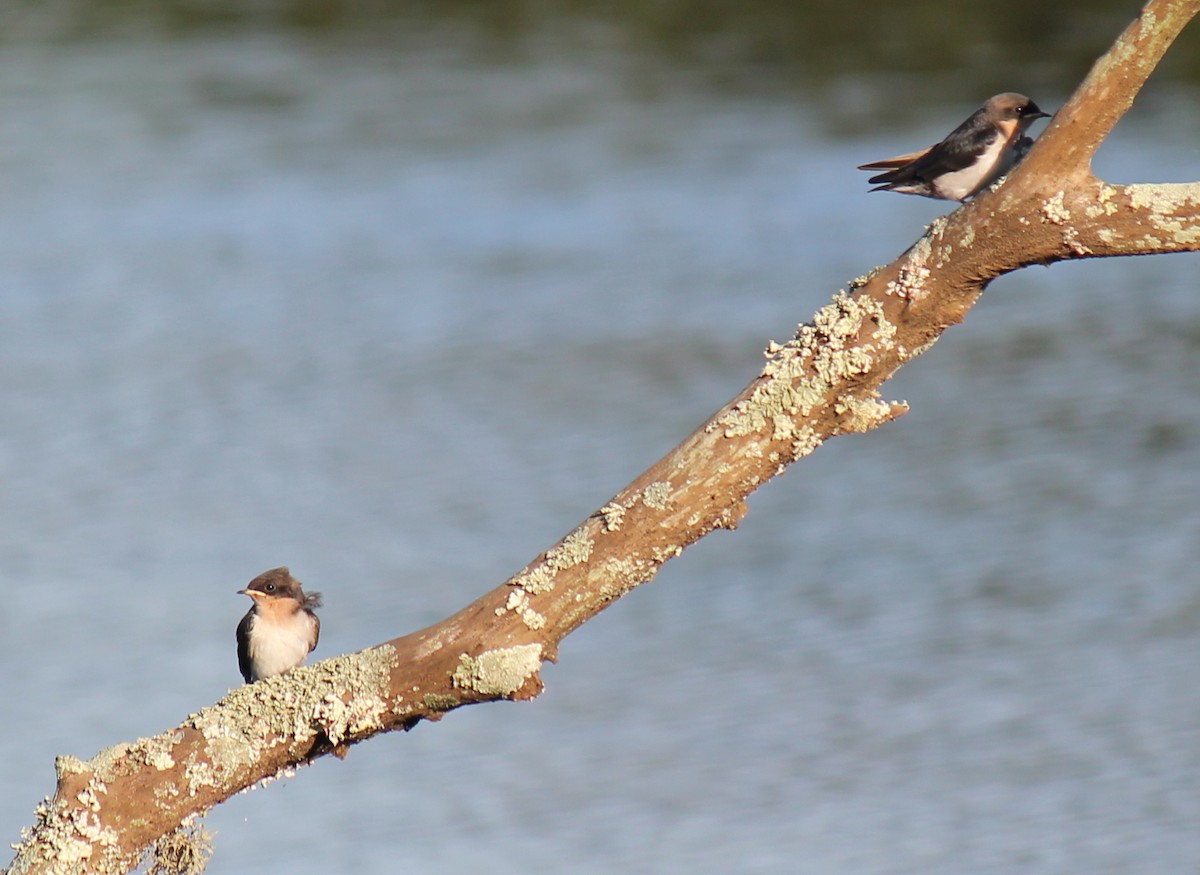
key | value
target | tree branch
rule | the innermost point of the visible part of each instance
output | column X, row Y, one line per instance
column 1110, row 88
column 824, row 382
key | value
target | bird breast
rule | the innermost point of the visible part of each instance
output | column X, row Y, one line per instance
column 280, row 641
column 965, row 182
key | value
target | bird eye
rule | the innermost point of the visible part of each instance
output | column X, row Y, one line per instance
column 270, row 587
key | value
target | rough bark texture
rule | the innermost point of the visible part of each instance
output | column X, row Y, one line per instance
column 107, row 812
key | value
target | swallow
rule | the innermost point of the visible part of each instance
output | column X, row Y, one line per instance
column 973, row 156
column 280, row 629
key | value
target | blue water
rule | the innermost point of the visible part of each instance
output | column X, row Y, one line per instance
column 400, row 319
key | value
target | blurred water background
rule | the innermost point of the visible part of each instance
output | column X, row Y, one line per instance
column 397, row 293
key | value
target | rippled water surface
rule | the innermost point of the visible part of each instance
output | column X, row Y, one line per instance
column 399, row 314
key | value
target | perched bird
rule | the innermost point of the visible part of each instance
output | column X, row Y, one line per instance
column 974, row 155
column 280, row 629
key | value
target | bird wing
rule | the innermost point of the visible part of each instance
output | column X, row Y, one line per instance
column 959, row 150
column 312, row 600
column 243, row 642
column 954, row 153
column 898, row 161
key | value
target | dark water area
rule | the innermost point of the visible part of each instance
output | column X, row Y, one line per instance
column 397, row 295
column 950, row 49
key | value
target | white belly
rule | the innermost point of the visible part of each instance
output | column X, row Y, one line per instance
column 965, row 182
column 275, row 648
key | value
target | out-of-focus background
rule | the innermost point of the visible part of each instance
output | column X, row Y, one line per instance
column 397, row 293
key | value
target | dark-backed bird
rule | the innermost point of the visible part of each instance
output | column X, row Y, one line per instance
column 280, row 629
column 973, row 156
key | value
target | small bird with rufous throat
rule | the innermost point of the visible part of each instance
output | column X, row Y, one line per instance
column 974, row 155
column 280, row 629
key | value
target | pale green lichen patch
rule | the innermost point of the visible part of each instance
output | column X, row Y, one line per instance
column 65, row 835
column 839, row 321
column 156, row 751
column 752, row 451
column 574, row 549
column 859, row 281
column 848, row 363
column 1147, row 24
column 783, row 427
column 125, row 757
column 1105, row 206
column 922, row 349
column 865, row 414
column 1154, row 198
column 536, row 580
column 662, row 554
column 657, row 496
column 296, row 705
column 615, row 577
column 518, row 602
column 199, row 774
column 805, row 442
column 910, row 279
column 1055, row 212
column 909, row 282
column 627, row 572
column 499, row 672
column 167, row 792
column 801, row 374
column 1054, row 209
column 437, row 703
column 612, row 515
column 610, row 580
column 66, row 764
column 1123, row 52
column 1163, row 202
column 343, row 719
column 936, row 228
column 885, row 331
column 108, row 762
column 360, row 679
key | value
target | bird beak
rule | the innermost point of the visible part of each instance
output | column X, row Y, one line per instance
column 253, row 593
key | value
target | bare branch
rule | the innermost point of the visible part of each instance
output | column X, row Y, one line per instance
column 1109, row 90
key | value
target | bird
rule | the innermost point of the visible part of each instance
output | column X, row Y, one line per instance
column 281, row 627
column 973, row 156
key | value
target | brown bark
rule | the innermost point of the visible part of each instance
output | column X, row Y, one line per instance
column 108, row 811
